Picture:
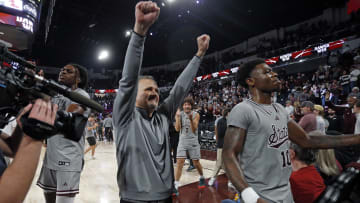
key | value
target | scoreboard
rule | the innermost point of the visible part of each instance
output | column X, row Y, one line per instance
column 19, row 17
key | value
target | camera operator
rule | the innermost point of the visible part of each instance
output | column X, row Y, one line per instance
column 16, row 179
column 63, row 162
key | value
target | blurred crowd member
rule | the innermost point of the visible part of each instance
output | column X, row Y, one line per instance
column 335, row 122
column 306, row 182
column 220, row 130
column 308, row 121
column 108, row 127
column 321, row 123
column 289, row 107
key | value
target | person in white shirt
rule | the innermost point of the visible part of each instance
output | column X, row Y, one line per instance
column 289, row 107
column 354, row 77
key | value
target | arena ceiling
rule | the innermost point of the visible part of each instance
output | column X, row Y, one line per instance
column 80, row 29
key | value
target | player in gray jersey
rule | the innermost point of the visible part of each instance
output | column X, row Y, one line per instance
column 90, row 135
column 187, row 122
column 257, row 140
column 63, row 162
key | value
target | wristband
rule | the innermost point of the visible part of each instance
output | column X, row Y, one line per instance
column 249, row 195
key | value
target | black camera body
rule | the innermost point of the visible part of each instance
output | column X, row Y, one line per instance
column 19, row 86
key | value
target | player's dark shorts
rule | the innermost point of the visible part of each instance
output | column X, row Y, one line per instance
column 91, row 141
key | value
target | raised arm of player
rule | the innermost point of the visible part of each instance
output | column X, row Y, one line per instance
column 299, row 136
column 177, row 120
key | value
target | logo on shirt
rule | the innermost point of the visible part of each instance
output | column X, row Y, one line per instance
column 64, row 163
column 278, row 137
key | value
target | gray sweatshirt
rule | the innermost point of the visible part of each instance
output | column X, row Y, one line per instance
column 145, row 169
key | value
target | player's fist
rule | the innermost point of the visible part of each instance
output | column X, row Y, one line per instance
column 146, row 13
column 177, row 113
column 190, row 116
column 203, row 42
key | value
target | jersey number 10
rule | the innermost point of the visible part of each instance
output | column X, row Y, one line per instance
column 286, row 158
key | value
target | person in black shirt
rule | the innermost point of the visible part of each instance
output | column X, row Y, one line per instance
column 335, row 122
column 220, row 130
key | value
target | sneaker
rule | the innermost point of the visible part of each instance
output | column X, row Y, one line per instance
column 202, row 183
column 190, row 168
column 211, row 181
column 93, row 158
column 175, row 192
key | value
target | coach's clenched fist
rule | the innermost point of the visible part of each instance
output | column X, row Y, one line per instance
column 203, row 42
column 146, row 13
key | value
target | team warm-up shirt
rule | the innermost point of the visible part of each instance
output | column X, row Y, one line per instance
column 145, row 169
column 108, row 123
column 89, row 133
column 61, row 153
column 187, row 136
column 265, row 159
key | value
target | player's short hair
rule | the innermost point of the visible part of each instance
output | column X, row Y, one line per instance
column 307, row 156
column 189, row 100
column 245, row 70
column 83, row 75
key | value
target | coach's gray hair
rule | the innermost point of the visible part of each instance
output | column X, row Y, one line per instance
column 147, row 77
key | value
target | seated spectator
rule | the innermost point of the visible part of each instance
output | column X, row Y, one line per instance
column 326, row 163
column 355, row 92
column 306, row 183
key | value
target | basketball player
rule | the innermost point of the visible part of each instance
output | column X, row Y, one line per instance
column 141, row 126
column 108, row 126
column 63, row 162
column 259, row 131
column 187, row 122
column 90, row 135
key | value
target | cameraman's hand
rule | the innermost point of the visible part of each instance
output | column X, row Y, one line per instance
column 146, row 13
column 203, row 42
column 40, row 110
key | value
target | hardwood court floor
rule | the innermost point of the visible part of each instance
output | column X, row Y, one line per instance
column 98, row 181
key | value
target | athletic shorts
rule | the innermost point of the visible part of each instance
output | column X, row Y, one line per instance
column 192, row 150
column 91, row 141
column 61, row 182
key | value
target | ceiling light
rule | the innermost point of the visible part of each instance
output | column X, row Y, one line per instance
column 104, row 54
column 127, row 33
